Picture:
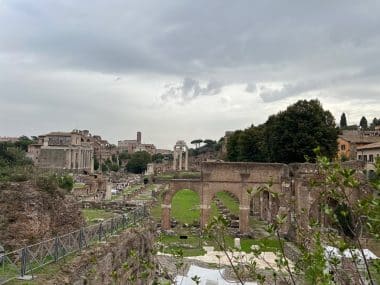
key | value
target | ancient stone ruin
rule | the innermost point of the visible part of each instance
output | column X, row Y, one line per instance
column 290, row 184
column 179, row 150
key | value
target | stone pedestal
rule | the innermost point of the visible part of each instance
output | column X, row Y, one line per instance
column 243, row 219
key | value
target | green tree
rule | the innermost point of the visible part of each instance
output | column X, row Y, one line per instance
column 251, row 145
column 363, row 123
column 293, row 134
column 375, row 122
column 12, row 155
column 138, row 162
column 124, row 155
column 232, row 146
column 343, row 121
column 196, row 142
column 158, row 157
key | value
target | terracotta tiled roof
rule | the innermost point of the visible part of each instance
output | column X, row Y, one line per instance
column 360, row 138
column 370, row 146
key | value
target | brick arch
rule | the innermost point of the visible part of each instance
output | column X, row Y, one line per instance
column 230, row 177
column 175, row 186
column 216, row 191
column 265, row 206
column 254, row 205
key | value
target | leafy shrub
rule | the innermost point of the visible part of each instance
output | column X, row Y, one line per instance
column 47, row 183
column 66, row 182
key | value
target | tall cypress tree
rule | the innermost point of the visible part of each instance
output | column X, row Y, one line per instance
column 363, row 123
column 343, row 121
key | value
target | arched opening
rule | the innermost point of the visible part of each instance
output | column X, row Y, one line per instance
column 185, row 209
column 226, row 204
column 265, row 206
column 254, row 206
column 339, row 218
column 274, row 207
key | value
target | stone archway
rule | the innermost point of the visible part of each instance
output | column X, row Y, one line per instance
column 174, row 187
column 235, row 178
column 265, row 206
column 227, row 204
column 255, row 206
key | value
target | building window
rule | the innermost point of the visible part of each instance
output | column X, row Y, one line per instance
column 370, row 158
column 343, row 147
column 360, row 157
column 365, row 157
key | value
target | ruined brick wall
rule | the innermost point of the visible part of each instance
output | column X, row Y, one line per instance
column 29, row 215
column 124, row 259
column 290, row 193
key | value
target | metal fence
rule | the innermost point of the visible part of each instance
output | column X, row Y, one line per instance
column 24, row 261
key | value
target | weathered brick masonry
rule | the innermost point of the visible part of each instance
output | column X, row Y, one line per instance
column 296, row 198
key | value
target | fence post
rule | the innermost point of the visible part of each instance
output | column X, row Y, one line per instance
column 56, row 249
column 24, row 260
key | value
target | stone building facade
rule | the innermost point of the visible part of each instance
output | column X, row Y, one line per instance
column 63, row 150
column 350, row 140
column 136, row 145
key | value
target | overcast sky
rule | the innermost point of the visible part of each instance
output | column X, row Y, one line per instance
column 182, row 69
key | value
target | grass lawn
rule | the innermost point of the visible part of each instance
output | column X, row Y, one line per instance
column 193, row 245
column 92, row 215
column 185, row 209
column 45, row 273
column 185, row 206
column 231, row 204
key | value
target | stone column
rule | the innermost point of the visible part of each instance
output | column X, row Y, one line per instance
column 205, row 214
column 244, row 219
column 165, row 216
column 180, row 159
column 92, row 161
column 186, row 159
column 174, row 159
column 68, row 155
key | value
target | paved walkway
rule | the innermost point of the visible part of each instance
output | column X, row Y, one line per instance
column 264, row 260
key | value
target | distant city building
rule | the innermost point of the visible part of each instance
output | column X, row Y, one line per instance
column 63, row 150
column 9, row 139
column 369, row 153
column 350, row 140
column 136, row 145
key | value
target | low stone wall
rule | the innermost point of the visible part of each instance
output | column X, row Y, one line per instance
column 124, row 259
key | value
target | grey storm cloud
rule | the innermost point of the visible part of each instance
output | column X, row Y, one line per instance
column 53, row 53
column 184, row 38
column 189, row 90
